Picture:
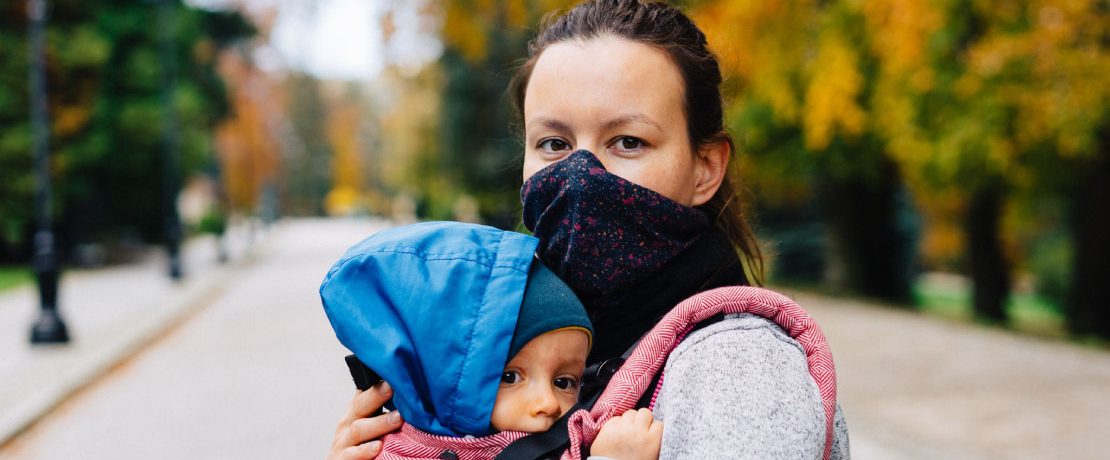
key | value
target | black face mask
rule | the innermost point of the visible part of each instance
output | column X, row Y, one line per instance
column 600, row 232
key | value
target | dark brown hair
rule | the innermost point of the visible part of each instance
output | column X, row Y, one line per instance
column 665, row 27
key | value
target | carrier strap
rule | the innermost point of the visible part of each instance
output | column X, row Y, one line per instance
column 641, row 369
column 551, row 443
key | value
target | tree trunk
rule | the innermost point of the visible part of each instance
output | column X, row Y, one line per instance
column 1089, row 309
column 870, row 248
column 990, row 273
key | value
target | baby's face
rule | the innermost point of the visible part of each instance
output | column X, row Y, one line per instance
column 541, row 382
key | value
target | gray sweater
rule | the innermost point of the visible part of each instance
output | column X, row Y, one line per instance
column 741, row 388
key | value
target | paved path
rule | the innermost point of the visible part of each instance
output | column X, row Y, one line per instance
column 257, row 373
column 916, row 387
column 111, row 313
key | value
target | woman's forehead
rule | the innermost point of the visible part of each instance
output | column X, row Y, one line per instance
column 599, row 78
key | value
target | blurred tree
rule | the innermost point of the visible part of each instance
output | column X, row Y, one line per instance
column 344, row 131
column 248, row 141
column 917, row 46
column 409, row 115
column 974, row 103
column 307, row 169
column 1005, row 101
column 478, row 145
column 16, row 180
column 798, row 77
column 104, row 84
column 1044, row 63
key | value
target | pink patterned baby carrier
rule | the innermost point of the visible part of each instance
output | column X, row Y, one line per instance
column 637, row 374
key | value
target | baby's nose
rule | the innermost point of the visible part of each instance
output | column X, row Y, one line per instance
column 544, row 402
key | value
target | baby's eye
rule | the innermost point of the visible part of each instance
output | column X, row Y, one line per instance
column 510, row 377
column 566, row 383
column 553, row 145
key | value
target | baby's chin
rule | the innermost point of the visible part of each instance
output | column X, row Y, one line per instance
column 527, row 426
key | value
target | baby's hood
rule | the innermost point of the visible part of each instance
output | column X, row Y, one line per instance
column 431, row 307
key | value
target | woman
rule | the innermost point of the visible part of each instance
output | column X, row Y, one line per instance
column 626, row 185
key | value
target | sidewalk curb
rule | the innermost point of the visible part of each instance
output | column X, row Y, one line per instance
column 58, row 373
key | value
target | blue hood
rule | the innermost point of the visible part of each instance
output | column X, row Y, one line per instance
column 431, row 308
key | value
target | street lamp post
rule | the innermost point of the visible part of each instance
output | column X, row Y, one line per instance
column 171, row 139
column 49, row 327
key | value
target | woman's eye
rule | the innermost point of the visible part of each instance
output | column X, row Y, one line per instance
column 566, row 383
column 554, row 145
column 510, row 377
column 627, row 143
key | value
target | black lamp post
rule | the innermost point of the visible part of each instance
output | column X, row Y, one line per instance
column 49, row 327
column 171, row 139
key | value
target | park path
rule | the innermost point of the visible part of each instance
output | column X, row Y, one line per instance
column 257, row 373
column 919, row 387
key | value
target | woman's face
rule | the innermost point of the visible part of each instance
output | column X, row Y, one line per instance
column 621, row 100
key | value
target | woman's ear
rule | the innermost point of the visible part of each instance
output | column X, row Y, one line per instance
column 712, row 159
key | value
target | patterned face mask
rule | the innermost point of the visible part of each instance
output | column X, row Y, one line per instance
column 600, row 232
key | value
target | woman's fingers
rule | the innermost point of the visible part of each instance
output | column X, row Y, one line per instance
column 357, row 433
column 369, row 401
column 365, row 404
column 367, row 451
column 359, row 439
column 368, row 429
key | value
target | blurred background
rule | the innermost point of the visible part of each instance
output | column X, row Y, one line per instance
column 881, row 143
column 946, row 157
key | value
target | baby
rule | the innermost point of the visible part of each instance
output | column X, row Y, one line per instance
column 480, row 343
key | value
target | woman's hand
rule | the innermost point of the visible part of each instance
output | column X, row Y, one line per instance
column 357, row 427
column 634, row 435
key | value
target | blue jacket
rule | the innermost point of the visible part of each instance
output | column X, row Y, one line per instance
column 431, row 308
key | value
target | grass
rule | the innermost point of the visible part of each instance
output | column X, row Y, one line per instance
column 1028, row 312
column 11, row 277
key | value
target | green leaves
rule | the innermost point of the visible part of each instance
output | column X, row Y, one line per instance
column 105, row 64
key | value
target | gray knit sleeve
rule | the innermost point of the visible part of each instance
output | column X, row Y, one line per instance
column 741, row 388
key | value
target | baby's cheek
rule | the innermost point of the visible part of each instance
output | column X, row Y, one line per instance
column 502, row 415
column 567, row 403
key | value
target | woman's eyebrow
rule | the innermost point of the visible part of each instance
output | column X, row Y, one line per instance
column 629, row 119
column 550, row 123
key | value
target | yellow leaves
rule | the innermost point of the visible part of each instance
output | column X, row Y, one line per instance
column 831, row 98
column 341, row 201
column 942, row 240
column 901, row 29
column 69, row 119
column 761, row 44
column 516, row 15
column 469, row 24
column 1000, row 152
column 1050, row 68
column 411, row 122
column 554, row 5
column 343, row 134
column 465, row 26
column 771, row 85
column 246, row 146
column 896, row 122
